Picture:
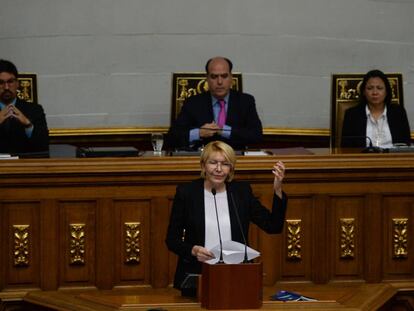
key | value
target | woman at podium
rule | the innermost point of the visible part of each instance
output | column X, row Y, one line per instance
column 215, row 208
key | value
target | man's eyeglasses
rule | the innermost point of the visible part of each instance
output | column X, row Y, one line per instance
column 9, row 82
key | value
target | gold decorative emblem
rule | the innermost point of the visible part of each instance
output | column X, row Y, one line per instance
column 132, row 242
column 21, row 245
column 347, row 244
column 347, row 92
column 400, row 241
column 77, row 244
column 294, row 251
column 27, row 89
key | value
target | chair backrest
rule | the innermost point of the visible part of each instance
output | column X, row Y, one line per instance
column 27, row 90
column 345, row 94
column 187, row 84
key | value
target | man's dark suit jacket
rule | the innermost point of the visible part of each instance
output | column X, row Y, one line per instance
column 354, row 129
column 13, row 138
column 198, row 110
column 188, row 214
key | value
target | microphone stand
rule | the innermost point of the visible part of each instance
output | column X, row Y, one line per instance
column 213, row 191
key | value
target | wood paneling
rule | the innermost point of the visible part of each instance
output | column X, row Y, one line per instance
column 104, row 194
column 398, row 207
column 24, row 213
column 132, row 211
column 105, row 241
column 83, row 213
column 159, row 256
column 298, row 268
column 342, row 208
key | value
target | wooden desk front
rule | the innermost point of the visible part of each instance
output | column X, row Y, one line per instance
column 101, row 223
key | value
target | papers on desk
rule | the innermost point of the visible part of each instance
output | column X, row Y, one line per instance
column 278, row 151
column 233, row 253
column 256, row 153
column 6, row 156
column 400, row 149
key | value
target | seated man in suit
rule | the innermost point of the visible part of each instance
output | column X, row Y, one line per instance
column 23, row 127
column 220, row 114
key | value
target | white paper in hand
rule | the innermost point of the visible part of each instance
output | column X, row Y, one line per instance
column 233, row 253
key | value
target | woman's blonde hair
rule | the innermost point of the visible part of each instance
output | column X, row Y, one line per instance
column 225, row 150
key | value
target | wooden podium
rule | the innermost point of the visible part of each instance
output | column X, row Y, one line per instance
column 231, row 286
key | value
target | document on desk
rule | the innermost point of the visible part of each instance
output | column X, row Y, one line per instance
column 6, row 156
column 233, row 253
column 256, row 153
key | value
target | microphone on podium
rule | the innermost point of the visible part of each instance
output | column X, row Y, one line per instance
column 245, row 260
column 213, row 191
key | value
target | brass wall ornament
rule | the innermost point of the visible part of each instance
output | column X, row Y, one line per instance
column 132, row 242
column 400, row 238
column 294, row 248
column 21, row 245
column 27, row 89
column 347, row 243
column 77, row 244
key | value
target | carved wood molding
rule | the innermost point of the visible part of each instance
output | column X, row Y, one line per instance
column 77, row 244
column 132, row 242
column 294, row 237
column 21, row 245
column 347, row 241
column 400, row 237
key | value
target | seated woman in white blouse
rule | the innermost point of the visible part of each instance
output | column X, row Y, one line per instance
column 375, row 120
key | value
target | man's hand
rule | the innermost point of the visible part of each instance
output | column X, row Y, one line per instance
column 209, row 130
column 12, row 112
column 5, row 114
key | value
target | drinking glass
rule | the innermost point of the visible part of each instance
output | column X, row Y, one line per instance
column 157, row 141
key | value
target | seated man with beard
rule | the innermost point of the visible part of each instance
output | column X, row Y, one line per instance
column 23, row 127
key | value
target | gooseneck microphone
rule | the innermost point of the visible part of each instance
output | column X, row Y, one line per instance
column 370, row 149
column 246, row 259
column 213, row 191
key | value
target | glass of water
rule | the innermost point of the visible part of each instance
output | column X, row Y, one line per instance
column 157, row 141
